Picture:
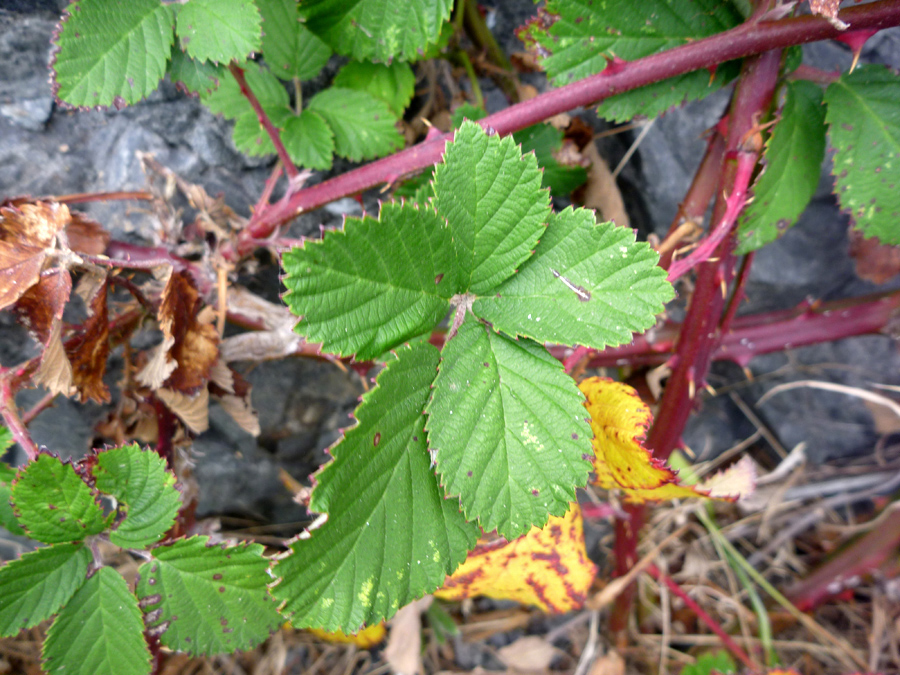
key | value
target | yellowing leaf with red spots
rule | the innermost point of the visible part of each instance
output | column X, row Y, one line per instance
column 619, row 420
column 548, row 567
column 365, row 639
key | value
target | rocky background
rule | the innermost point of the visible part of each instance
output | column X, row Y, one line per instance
column 302, row 403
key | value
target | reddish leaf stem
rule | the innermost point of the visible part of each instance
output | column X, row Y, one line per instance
column 136, row 257
column 750, row 38
column 11, row 418
column 264, row 120
column 85, row 197
column 710, row 623
column 38, row 407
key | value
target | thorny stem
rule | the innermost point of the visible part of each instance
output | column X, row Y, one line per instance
column 11, row 418
column 699, row 336
column 39, row 407
column 264, row 120
column 711, row 623
column 750, row 38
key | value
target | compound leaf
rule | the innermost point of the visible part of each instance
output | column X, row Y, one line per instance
column 587, row 283
column 864, row 126
column 112, row 54
column 54, row 504
column 581, row 36
column 7, row 476
column 308, row 140
column 195, row 77
column 140, row 482
column 212, row 30
column 205, row 599
column 99, row 631
column 289, row 47
column 375, row 284
column 363, row 126
column 393, row 84
column 794, row 154
column 507, row 429
column 227, row 99
column 34, row 587
column 397, row 537
column 377, row 30
column 492, row 198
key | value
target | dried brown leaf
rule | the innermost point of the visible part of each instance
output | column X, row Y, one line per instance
column 85, row 235
column 875, row 262
column 26, row 234
column 528, row 654
column 609, row 664
column 404, row 646
column 195, row 347
column 88, row 350
column 233, row 393
column 159, row 366
column 192, row 410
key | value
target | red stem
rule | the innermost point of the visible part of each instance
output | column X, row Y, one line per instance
column 710, row 623
column 11, row 418
column 745, row 40
column 264, row 120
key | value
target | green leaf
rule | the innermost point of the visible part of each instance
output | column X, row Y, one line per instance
column 196, row 77
column 112, row 54
column 377, row 30
column 544, row 140
column 864, row 125
column 467, row 111
column 491, row 195
column 589, row 284
column 139, row 481
column 7, row 476
column 289, row 47
column 99, row 632
column 205, row 599
column 707, row 664
column 507, row 428
column 251, row 138
column 308, row 140
column 34, row 587
column 375, row 284
column 212, row 30
column 655, row 99
column 6, row 439
column 228, row 100
column 582, row 35
column 394, row 84
column 794, row 154
column 363, row 126
column 391, row 536
column 54, row 504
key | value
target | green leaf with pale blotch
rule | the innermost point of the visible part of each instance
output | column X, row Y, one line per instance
column 7, row 476
column 308, row 140
column 54, row 504
column 655, row 99
column 196, row 77
column 375, row 284
column 289, row 47
column 145, row 491
column 864, row 126
column 99, row 631
column 793, row 159
column 217, row 31
column 6, row 439
column 544, row 140
column 204, row 599
column 507, row 429
column 584, row 35
column 393, row 84
column 391, row 536
column 492, row 198
column 251, row 138
column 377, row 30
column 227, row 99
column 589, row 284
column 112, row 54
column 363, row 126
column 34, row 587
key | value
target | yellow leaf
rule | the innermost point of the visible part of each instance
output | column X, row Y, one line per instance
column 619, row 420
column 364, row 639
column 548, row 567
